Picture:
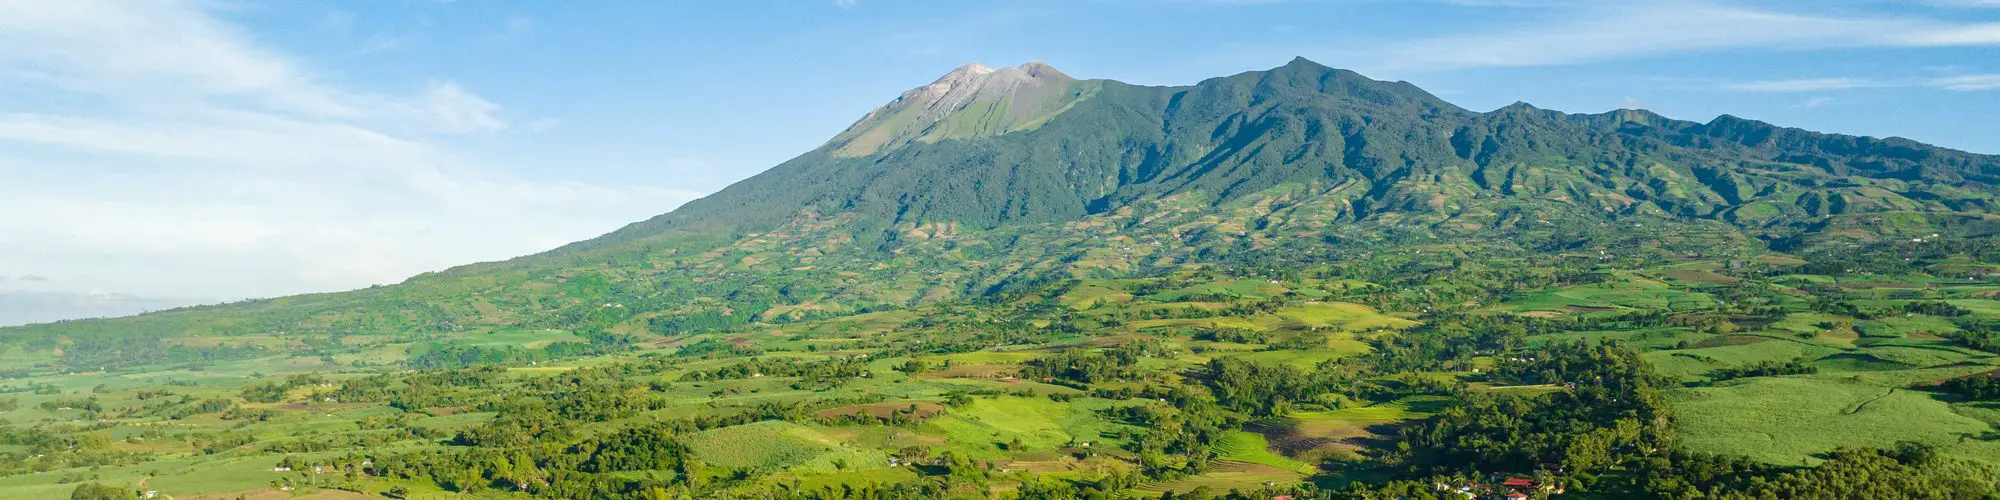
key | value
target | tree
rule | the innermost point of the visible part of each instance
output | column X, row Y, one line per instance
column 466, row 481
column 522, row 471
column 94, row 491
column 690, row 470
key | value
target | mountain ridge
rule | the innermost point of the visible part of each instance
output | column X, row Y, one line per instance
column 1304, row 67
column 1258, row 158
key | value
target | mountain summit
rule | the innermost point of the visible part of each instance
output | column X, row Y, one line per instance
column 988, row 180
column 971, row 101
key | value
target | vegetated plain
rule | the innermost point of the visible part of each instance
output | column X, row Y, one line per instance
column 854, row 401
column 1285, row 288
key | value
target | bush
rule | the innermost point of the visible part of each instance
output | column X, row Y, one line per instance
column 94, row 491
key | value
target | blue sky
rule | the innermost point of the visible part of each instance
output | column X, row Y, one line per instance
column 168, row 151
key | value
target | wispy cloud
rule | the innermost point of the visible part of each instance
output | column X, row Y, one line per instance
column 1619, row 30
column 1968, row 82
column 1961, row 83
column 1507, row 3
column 544, row 125
column 1802, row 85
column 1966, row 3
column 181, row 158
column 451, row 108
column 166, row 53
column 515, row 27
column 1815, row 102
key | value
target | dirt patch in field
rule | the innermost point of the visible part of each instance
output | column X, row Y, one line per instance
column 1541, row 314
column 1306, row 438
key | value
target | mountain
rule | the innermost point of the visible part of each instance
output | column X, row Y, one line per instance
column 19, row 307
column 1011, row 283
column 1030, row 150
column 992, row 179
column 971, row 101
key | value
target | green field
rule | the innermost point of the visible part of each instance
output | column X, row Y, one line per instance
column 1251, row 447
column 1790, row 420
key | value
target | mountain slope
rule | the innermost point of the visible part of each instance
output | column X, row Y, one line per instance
column 1303, row 123
column 986, row 180
column 971, row 101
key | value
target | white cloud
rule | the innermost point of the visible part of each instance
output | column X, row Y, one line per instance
column 167, row 54
column 452, row 109
column 544, row 124
column 1967, row 3
column 1619, row 30
column 1979, row 34
column 176, row 157
column 1967, row 83
column 153, row 48
column 1505, row 3
column 515, row 27
column 1802, row 85
column 1961, row 83
column 1815, row 102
